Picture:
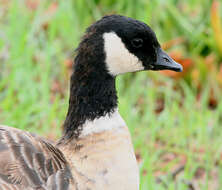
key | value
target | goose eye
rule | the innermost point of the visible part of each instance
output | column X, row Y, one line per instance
column 137, row 42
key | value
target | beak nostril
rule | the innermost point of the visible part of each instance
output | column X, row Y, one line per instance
column 166, row 59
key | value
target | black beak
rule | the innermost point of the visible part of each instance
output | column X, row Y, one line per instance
column 165, row 62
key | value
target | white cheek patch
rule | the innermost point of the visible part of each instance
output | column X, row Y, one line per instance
column 118, row 59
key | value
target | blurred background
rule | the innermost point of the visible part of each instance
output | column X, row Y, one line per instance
column 175, row 118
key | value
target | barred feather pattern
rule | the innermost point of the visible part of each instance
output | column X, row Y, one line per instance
column 28, row 162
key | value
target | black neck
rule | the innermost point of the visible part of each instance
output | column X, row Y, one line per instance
column 92, row 91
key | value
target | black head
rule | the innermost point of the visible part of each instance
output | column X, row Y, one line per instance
column 129, row 45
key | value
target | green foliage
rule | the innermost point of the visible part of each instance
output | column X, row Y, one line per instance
column 169, row 119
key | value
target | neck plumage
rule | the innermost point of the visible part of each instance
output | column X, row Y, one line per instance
column 92, row 93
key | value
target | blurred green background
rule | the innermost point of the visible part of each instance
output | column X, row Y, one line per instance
column 175, row 119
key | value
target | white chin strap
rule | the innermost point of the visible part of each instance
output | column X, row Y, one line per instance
column 118, row 59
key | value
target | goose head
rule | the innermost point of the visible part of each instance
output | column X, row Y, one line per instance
column 128, row 45
column 112, row 46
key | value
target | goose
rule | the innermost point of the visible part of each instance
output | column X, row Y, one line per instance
column 95, row 151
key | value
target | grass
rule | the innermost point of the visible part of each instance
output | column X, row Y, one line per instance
column 189, row 136
column 37, row 44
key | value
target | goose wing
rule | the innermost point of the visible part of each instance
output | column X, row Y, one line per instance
column 28, row 162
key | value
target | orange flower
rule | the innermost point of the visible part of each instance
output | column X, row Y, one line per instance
column 216, row 24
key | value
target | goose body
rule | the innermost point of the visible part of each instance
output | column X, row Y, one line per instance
column 95, row 151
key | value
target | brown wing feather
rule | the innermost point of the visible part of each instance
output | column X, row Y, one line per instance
column 29, row 162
